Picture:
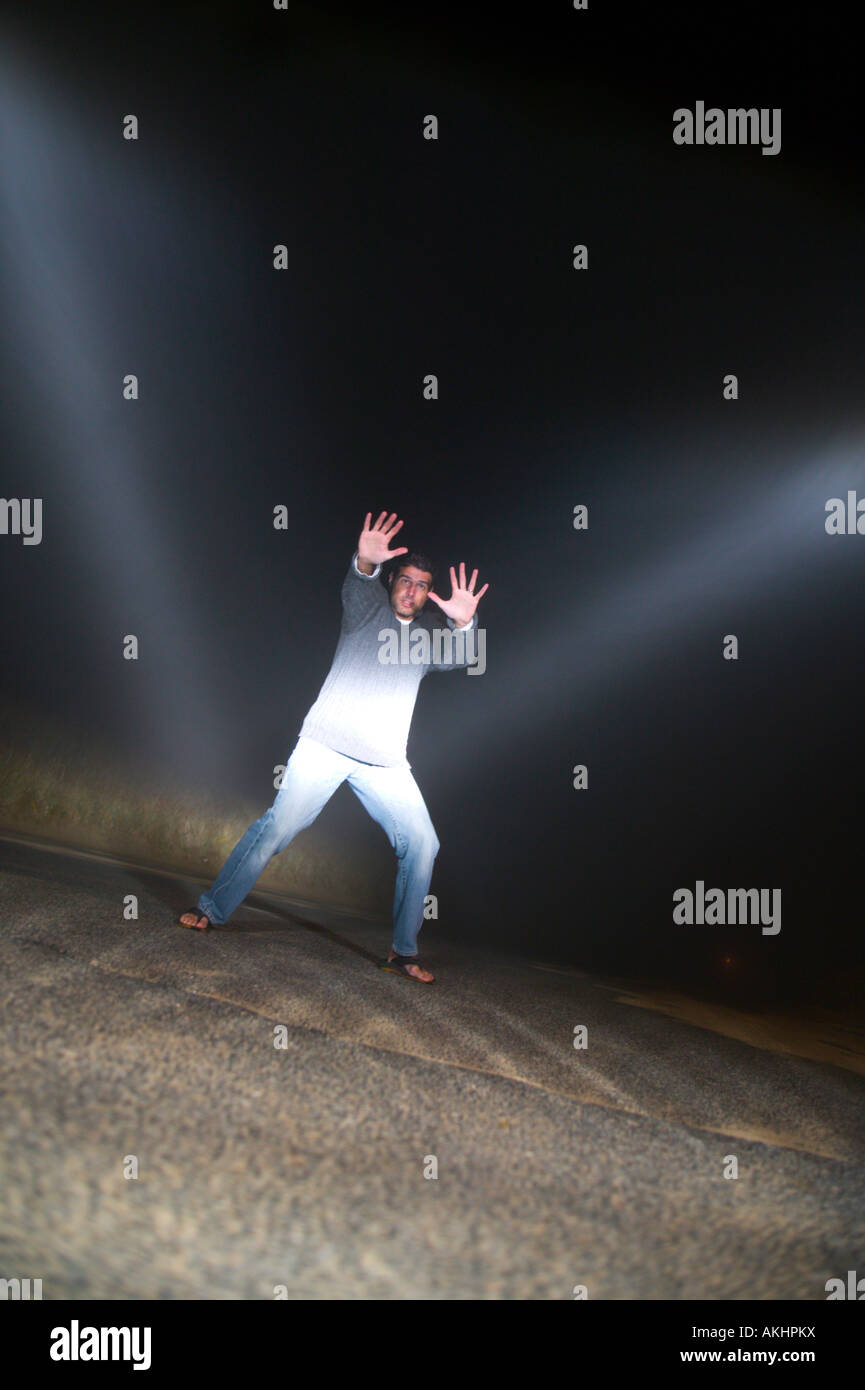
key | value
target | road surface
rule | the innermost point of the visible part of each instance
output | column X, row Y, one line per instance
column 301, row 1167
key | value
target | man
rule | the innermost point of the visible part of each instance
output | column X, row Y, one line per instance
column 357, row 732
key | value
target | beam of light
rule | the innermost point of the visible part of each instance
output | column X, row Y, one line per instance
column 68, row 208
column 758, row 547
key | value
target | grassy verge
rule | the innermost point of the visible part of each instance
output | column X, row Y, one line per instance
column 53, row 787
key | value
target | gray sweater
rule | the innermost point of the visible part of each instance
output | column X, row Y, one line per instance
column 365, row 705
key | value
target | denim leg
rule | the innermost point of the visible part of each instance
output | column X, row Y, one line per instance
column 393, row 799
column 311, row 777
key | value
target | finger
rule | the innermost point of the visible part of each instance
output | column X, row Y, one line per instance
column 453, row 578
column 378, row 523
column 481, row 593
column 473, row 581
column 435, row 598
column 393, row 530
column 366, row 522
column 462, row 574
column 403, row 550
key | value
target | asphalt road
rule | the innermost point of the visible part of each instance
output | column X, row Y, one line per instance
column 303, row 1166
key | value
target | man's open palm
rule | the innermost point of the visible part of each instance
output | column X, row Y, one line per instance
column 374, row 541
column 463, row 600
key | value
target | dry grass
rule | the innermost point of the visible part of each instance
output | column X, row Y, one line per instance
column 52, row 787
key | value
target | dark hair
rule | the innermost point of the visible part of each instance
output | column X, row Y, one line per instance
column 420, row 562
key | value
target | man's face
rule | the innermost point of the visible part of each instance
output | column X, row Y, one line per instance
column 408, row 591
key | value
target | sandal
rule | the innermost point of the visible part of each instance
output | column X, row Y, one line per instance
column 201, row 916
column 398, row 966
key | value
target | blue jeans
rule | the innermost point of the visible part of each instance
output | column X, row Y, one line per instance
column 392, row 797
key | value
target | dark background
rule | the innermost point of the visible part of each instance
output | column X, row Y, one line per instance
column 556, row 388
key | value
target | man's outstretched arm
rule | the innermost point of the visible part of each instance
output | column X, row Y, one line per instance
column 460, row 610
column 361, row 593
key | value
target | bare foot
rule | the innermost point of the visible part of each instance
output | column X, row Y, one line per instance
column 417, row 972
column 196, row 919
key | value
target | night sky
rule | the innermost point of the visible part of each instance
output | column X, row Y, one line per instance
column 557, row 387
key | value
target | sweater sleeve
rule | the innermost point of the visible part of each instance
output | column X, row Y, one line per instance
column 463, row 652
column 362, row 596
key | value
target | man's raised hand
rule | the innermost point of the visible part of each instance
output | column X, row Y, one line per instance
column 463, row 600
column 373, row 546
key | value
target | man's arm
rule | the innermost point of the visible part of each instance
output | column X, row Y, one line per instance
column 362, row 594
column 457, row 652
column 459, row 609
